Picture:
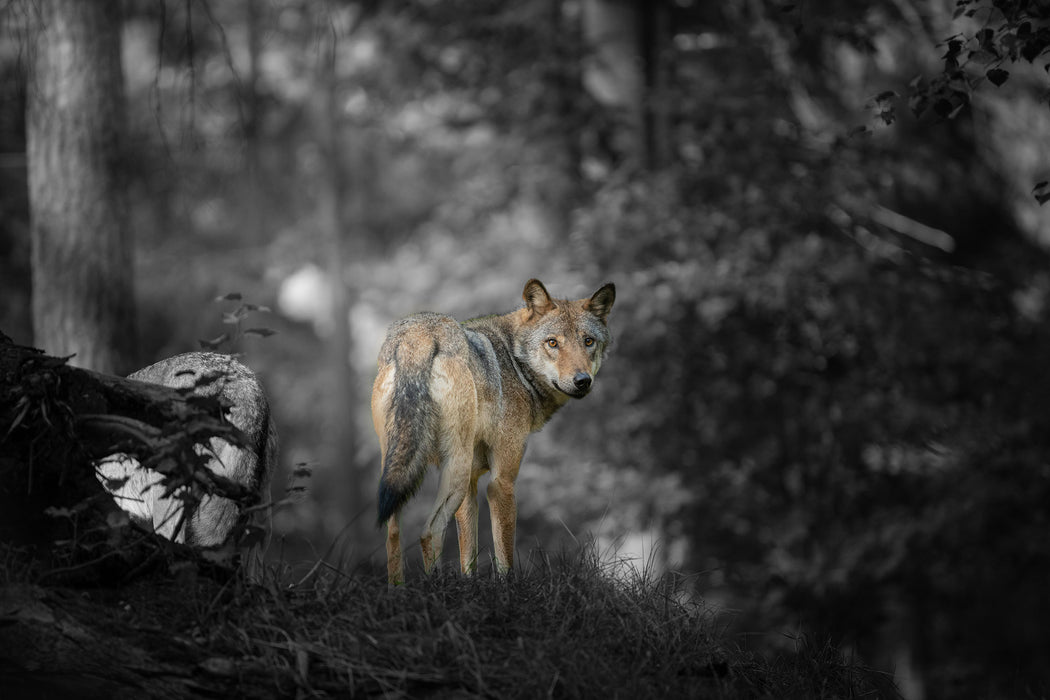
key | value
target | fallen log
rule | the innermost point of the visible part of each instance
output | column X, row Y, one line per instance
column 56, row 420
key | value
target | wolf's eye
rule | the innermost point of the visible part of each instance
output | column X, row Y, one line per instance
column 552, row 342
column 588, row 341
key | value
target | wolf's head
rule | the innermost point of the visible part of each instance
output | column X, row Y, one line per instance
column 563, row 340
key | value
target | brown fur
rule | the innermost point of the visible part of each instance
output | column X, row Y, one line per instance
column 466, row 397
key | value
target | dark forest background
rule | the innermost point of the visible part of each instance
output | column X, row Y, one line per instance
column 826, row 406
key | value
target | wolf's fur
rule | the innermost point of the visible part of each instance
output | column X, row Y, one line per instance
column 138, row 491
column 465, row 397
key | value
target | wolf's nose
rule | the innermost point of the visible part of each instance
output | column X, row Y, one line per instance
column 582, row 380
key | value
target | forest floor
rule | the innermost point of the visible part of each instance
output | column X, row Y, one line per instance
column 565, row 626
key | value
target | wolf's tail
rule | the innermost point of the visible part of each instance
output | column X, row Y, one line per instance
column 410, row 429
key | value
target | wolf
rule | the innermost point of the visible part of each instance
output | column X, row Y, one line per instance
column 465, row 397
column 138, row 490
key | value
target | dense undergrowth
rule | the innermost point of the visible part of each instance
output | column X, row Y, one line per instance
column 559, row 626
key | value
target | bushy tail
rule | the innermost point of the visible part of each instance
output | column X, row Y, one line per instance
column 410, row 429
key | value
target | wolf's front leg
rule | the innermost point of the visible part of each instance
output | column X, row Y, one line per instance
column 467, row 527
column 502, row 507
column 504, row 518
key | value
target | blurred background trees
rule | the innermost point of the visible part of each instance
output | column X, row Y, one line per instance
column 826, row 402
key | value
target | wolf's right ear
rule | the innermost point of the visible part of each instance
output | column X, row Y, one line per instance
column 537, row 300
column 600, row 303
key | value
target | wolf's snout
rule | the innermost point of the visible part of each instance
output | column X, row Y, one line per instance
column 582, row 381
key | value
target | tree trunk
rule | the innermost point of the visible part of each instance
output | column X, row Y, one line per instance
column 342, row 184
column 560, row 188
column 258, row 213
column 81, row 246
column 615, row 73
column 656, row 44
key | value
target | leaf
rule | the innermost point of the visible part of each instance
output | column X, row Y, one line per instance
column 262, row 332
column 24, row 403
column 961, row 8
column 959, row 82
column 997, row 76
column 1041, row 191
column 943, row 107
column 1034, row 45
column 213, row 344
column 232, row 296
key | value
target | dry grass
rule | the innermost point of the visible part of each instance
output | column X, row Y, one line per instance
column 563, row 627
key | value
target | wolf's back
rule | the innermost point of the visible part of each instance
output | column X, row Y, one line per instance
column 411, row 422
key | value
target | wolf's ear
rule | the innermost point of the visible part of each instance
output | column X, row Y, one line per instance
column 600, row 303
column 537, row 300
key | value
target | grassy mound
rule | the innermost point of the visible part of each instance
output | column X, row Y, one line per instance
column 560, row 626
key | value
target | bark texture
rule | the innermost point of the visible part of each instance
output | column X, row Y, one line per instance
column 81, row 247
column 54, row 420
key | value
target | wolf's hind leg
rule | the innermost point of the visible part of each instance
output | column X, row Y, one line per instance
column 455, row 482
column 454, row 392
column 394, row 563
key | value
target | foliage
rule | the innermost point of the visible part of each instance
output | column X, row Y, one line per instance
column 235, row 320
column 856, row 431
column 980, row 42
column 1004, row 32
column 855, row 413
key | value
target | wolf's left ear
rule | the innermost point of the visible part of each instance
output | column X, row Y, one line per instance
column 600, row 303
